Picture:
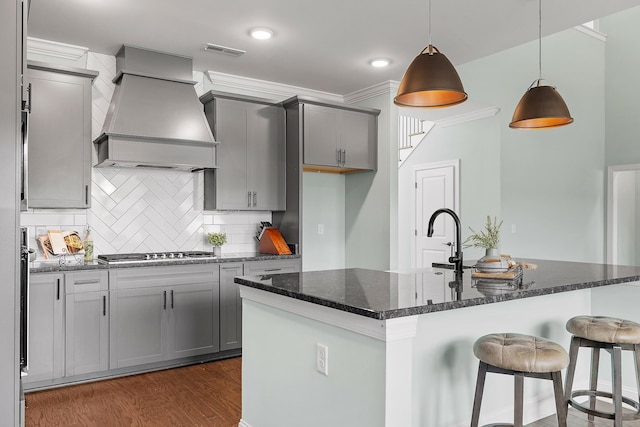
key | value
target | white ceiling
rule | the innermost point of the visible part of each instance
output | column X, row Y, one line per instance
column 323, row 45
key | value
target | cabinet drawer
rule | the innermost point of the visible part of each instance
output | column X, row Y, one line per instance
column 86, row 281
column 176, row 275
column 254, row 268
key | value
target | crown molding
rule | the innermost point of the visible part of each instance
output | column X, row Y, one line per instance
column 390, row 86
column 272, row 89
column 55, row 49
column 468, row 116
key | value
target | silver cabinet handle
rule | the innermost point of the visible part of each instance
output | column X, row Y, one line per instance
column 58, row 289
column 255, row 199
column 248, row 199
column 86, row 195
column 338, row 155
column 344, row 157
column 172, row 300
column 104, row 305
column 164, row 300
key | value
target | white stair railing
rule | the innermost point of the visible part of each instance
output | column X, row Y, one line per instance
column 411, row 131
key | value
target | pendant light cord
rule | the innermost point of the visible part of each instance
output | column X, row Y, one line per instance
column 539, row 41
column 429, row 22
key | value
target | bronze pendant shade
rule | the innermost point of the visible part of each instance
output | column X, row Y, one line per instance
column 540, row 107
column 430, row 81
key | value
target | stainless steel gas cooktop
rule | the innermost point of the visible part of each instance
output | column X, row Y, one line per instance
column 153, row 257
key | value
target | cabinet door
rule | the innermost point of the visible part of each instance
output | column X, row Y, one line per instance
column 59, row 155
column 320, row 135
column 231, row 177
column 230, row 307
column 358, row 136
column 193, row 320
column 87, row 332
column 138, row 325
column 266, row 162
column 46, row 329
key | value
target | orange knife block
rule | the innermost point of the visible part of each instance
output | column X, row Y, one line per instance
column 272, row 242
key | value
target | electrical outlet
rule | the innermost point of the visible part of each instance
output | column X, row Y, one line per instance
column 513, row 228
column 40, row 231
column 320, row 228
column 322, row 359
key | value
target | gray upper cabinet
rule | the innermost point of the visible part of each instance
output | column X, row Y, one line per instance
column 338, row 139
column 59, row 141
column 251, row 154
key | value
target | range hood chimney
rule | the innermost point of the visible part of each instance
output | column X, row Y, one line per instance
column 155, row 119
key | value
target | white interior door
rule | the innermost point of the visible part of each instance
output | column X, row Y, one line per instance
column 623, row 216
column 436, row 186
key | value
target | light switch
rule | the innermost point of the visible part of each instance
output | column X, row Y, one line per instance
column 320, row 228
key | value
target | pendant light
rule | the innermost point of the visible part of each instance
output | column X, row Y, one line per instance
column 430, row 81
column 541, row 106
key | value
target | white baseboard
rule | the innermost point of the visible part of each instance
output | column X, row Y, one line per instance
column 243, row 423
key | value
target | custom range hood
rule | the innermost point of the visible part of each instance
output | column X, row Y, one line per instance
column 155, row 119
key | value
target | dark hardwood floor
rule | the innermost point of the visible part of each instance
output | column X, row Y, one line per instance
column 207, row 394
column 199, row 395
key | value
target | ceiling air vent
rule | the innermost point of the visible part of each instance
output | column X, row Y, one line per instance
column 210, row 47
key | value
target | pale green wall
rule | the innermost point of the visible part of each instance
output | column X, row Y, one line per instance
column 551, row 182
column 371, row 198
column 477, row 145
column 281, row 386
column 323, row 203
column 623, row 90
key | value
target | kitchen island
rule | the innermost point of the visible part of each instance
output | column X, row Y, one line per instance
column 399, row 345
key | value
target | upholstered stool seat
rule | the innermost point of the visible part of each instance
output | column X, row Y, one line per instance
column 521, row 356
column 612, row 335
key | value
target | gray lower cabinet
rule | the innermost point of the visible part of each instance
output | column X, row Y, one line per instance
column 46, row 328
column 230, row 301
column 251, row 155
column 163, row 313
column 86, row 322
column 59, row 143
column 230, row 307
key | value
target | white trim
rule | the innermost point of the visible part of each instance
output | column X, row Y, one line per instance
column 612, row 203
column 233, row 82
column 56, row 49
column 243, row 423
column 383, row 330
column 591, row 32
column 467, row 117
column 389, row 86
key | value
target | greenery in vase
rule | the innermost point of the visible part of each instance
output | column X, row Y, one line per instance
column 488, row 239
column 217, row 239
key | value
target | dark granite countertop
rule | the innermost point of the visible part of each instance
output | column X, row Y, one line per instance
column 73, row 264
column 386, row 295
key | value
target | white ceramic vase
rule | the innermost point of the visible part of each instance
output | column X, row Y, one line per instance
column 492, row 262
column 217, row 250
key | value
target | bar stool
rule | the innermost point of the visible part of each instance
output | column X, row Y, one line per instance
column 612, row 335
column 521, row 356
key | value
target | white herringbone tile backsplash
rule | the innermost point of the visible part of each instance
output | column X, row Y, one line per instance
column 144, row 211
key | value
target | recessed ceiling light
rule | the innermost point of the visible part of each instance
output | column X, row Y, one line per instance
column 380, row 62
column 261, row 33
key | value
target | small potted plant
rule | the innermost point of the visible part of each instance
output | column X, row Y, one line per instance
column 489, row 239
column 217, row 240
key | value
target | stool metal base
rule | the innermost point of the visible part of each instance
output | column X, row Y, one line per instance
column 616, row 396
